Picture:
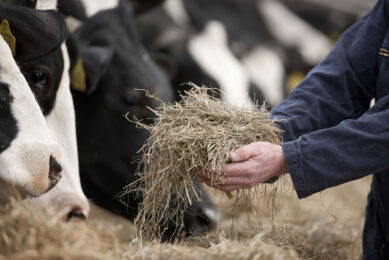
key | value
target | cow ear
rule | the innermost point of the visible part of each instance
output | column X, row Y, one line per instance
column 141, row 6
column 72, row 8
column 166, row 63
column 25, row 3
column 37, row 33
column 90, row 67
column 73, row 50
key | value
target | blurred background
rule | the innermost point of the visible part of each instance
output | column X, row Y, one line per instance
column 265, row 47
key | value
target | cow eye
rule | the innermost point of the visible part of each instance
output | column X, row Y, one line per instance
column 38, row 78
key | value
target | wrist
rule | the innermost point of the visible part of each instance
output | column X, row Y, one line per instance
column 283, row 166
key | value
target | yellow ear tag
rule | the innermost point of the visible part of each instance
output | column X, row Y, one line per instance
column 78, row 76
column 293, row 79
column 5, row 31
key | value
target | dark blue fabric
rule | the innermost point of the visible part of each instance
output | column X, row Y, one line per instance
column 332, row 136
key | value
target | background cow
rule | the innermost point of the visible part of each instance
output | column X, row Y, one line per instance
column 116, row 64
column 233, row 45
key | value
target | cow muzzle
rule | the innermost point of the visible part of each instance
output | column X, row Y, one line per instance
column 201, row 218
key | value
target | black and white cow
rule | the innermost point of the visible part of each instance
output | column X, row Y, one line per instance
column 28, row 153
column 240, row 46
column 116, row 64
column 201, row 56
column 234, row 43
column 43, row 59
column 94, row 6
column 68, row 196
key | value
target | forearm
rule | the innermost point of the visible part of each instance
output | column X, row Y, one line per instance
column 341, row 86
column 348, row 151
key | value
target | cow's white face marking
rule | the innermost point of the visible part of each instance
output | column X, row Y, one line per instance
column 169, row 36
column 266, row 71
column 94, row 6
column 68, row 193
column 72, row 24
column 176, row 10
column 61, row 123
column 210, row 50
column 26, row 162
column 294, row 31
column 46, row 4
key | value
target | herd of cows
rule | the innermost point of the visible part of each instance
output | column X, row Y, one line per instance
column 67, row 77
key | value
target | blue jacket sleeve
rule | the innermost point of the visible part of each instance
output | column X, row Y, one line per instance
column 342, row 85
column 348, row 151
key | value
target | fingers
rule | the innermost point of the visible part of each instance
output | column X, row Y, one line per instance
column 225, row 187
column 245, row 152
column 229, row 188
column 234, row 183
column 236, row 174
column 232, row 170
column 228, row 181
column 238, row 169
column 254, row 163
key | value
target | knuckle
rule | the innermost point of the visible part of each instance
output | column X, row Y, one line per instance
column 251, row 179
column 265, row 145
column 258, row 144
column 252, row 171
column 240, row 153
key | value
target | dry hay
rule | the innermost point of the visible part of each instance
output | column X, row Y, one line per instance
column 30, row 232
column 223, row 249
column 301, row 230
column 323, row 226
column 188, row 137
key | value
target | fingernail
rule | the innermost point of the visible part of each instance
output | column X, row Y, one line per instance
column 233, row 155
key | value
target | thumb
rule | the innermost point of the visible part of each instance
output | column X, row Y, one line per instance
column 245, row 152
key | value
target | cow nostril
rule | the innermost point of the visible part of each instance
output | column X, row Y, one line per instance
column 203, row 219
column 77, row 213
column 208, row 217
column 54, row 172
column 55, row 167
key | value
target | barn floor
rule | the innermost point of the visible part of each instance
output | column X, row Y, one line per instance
column 323, row 226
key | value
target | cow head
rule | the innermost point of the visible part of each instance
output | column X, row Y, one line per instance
column 115, row 65
column 28, row 154
column 68, row 196
column 43, row 58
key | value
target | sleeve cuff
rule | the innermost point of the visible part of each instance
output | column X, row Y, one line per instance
column 292, row 153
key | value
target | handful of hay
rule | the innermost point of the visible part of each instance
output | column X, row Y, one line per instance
column 188, row 137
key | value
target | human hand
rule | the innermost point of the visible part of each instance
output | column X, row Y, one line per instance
column 251, row 164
